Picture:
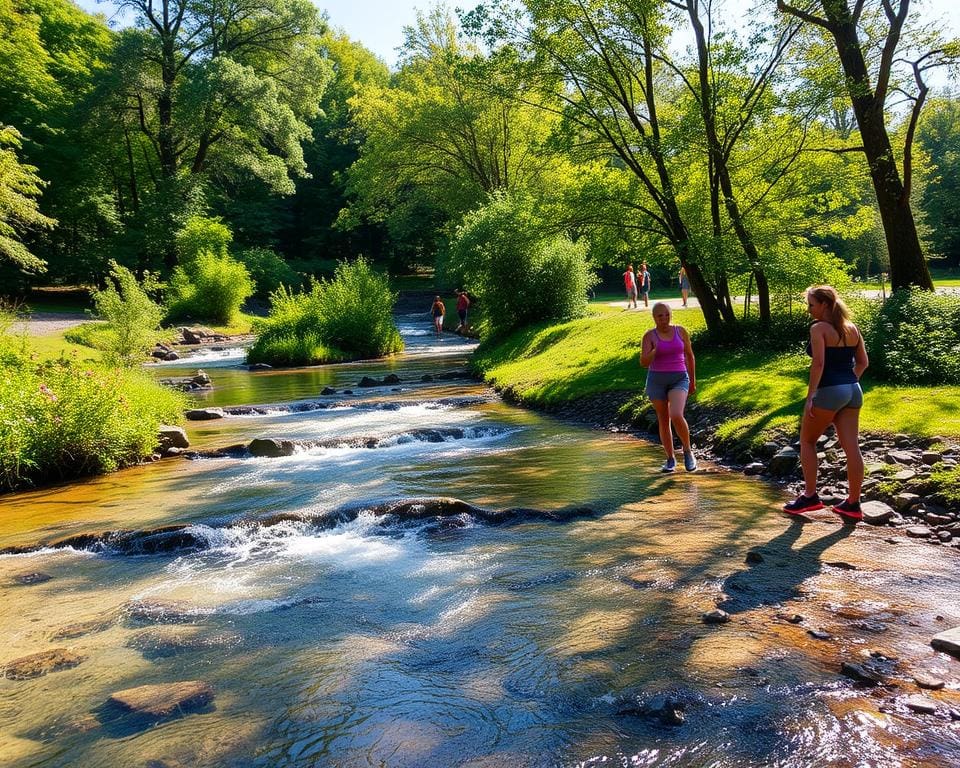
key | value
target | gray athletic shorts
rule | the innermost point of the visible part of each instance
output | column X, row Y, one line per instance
column 661, row 382
column 838, row 396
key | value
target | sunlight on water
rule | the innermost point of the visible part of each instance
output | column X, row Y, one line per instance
column 333, row 633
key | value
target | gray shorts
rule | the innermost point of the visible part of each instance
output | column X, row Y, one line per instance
column 838, row 397
column 661, row 382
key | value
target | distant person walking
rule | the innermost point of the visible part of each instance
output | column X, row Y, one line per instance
column 838, row 360
column 684, row 284
column 671, row 376
column 438, row 310
column 630, row 284
column 463, row 304
column 643, row 278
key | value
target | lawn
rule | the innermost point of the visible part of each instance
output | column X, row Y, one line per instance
column 552, row 364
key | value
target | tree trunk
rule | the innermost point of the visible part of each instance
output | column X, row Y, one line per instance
column 165, row 137
column 908, row 267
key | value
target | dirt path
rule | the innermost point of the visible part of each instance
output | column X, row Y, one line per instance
column 46, row 323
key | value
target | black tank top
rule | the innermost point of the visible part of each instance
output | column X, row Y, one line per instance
column 838, row 363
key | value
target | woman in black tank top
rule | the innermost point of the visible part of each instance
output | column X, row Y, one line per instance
column 838, row 360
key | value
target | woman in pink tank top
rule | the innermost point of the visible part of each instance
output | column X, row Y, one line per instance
column 671, row 377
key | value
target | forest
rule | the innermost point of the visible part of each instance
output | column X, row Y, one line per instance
column 628, row 129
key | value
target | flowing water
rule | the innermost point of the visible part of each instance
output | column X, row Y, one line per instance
column 362, row 639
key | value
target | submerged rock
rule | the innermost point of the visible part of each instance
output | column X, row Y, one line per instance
column 716, row 616
column 164, row 699
column 861, row 673
column 204, row 414
column 34, row 577
column 38, row 664
column 271, row 447
column 162, row 641
column 81, row 628
column 366, row 381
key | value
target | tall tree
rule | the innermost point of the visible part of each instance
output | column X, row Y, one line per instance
column 871, row 39
column 19, row 214
column 939, row 136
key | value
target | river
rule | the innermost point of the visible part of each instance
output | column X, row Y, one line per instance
column 567, row 632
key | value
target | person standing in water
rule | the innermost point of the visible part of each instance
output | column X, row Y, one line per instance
column 438, row 310
column 671, row 377
column 838, row 359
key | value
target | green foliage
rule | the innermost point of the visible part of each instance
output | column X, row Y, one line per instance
column 939, row 137
column 61, row 419
column 133, row 318
column 208, row 288
column 784, row 333
column 521, row 271
column 19, row 213
column 201, row 234
column 348, row 317
column 267, row 270
column 913, row 337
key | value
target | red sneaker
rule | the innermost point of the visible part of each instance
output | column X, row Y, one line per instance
column 803, row 504
column 849, row 510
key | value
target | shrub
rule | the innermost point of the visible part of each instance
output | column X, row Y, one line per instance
column 521, row 272
column 784, row 333
column 202, row 234
column 61, row 420
column 133, row 318
column 347, row 318
column 267, row 270
column 913, row 337
column 210, row 287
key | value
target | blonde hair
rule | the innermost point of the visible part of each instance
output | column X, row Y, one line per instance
column 837, row 313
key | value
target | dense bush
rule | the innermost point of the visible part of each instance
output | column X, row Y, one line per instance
column 209, row 287
column 268, row 271
column 61, row 420
column 785, row 333
column 133, row 318
column 346, row 318
column 913, row 337
column 521, row 271
column 201, row 234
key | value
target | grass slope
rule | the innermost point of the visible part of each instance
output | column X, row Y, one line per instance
column 552, row 364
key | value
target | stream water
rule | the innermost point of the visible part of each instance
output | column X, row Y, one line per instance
column 377, row 640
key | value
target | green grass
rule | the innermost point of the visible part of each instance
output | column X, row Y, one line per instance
column 552, row 364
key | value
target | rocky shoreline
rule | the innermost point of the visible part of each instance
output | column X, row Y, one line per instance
column 899, row 491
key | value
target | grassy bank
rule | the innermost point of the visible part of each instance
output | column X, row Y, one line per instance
column 552, row 365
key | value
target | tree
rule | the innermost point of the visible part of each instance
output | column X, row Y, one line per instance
column 939, row 136
column 19, row 214
column 871, row 40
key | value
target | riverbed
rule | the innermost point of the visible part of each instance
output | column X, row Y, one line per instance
column 567, row 631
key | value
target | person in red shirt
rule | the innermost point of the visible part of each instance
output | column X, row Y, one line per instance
column 630, row 284
column 463, row 304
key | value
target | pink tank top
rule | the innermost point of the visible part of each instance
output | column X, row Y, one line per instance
column 668, row 357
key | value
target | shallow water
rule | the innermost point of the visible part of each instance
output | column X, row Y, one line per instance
column 382, row 642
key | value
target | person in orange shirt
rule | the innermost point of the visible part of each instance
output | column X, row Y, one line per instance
column 463, row 304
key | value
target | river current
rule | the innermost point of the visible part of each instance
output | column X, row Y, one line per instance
column 567, row 632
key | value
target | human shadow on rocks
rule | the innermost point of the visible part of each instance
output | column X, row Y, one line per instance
column 776, row 570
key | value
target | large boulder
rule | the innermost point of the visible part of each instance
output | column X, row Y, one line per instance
column 271, row 447
column 164, row 699
column 204, row 414
column 38, row 664
column 171, row 437
column 948, row 642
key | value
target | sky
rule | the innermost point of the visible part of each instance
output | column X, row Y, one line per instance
column 378, row 24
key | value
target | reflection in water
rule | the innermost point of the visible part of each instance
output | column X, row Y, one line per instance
column 384, row 642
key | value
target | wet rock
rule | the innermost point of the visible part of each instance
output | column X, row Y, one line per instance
column 328, row 391
column 716, row 616
column 784, row 462
column 271, row 447
column 81, row 628
column 164, row 699
column 665, row 708
column 876, row 512
column 819, row 634
column 948, row 642
column 944, row 536
column 159, row 611
column 426, row 378
column 928, row 682
column 366, row 381
column 918, row 532
column 753, row 468
column 204, row 414
column 201, row 379
column 163, row 641
column 921, row 704
column 842, row 565
column 194, row 335
column 391, row 378
column 171, row 437
column 791, row 618
column 160, row 354
column 34, row 577
column 171, row 356
column 260, row 367
column 861, row 673
column 38, row 664
column 753, row 557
